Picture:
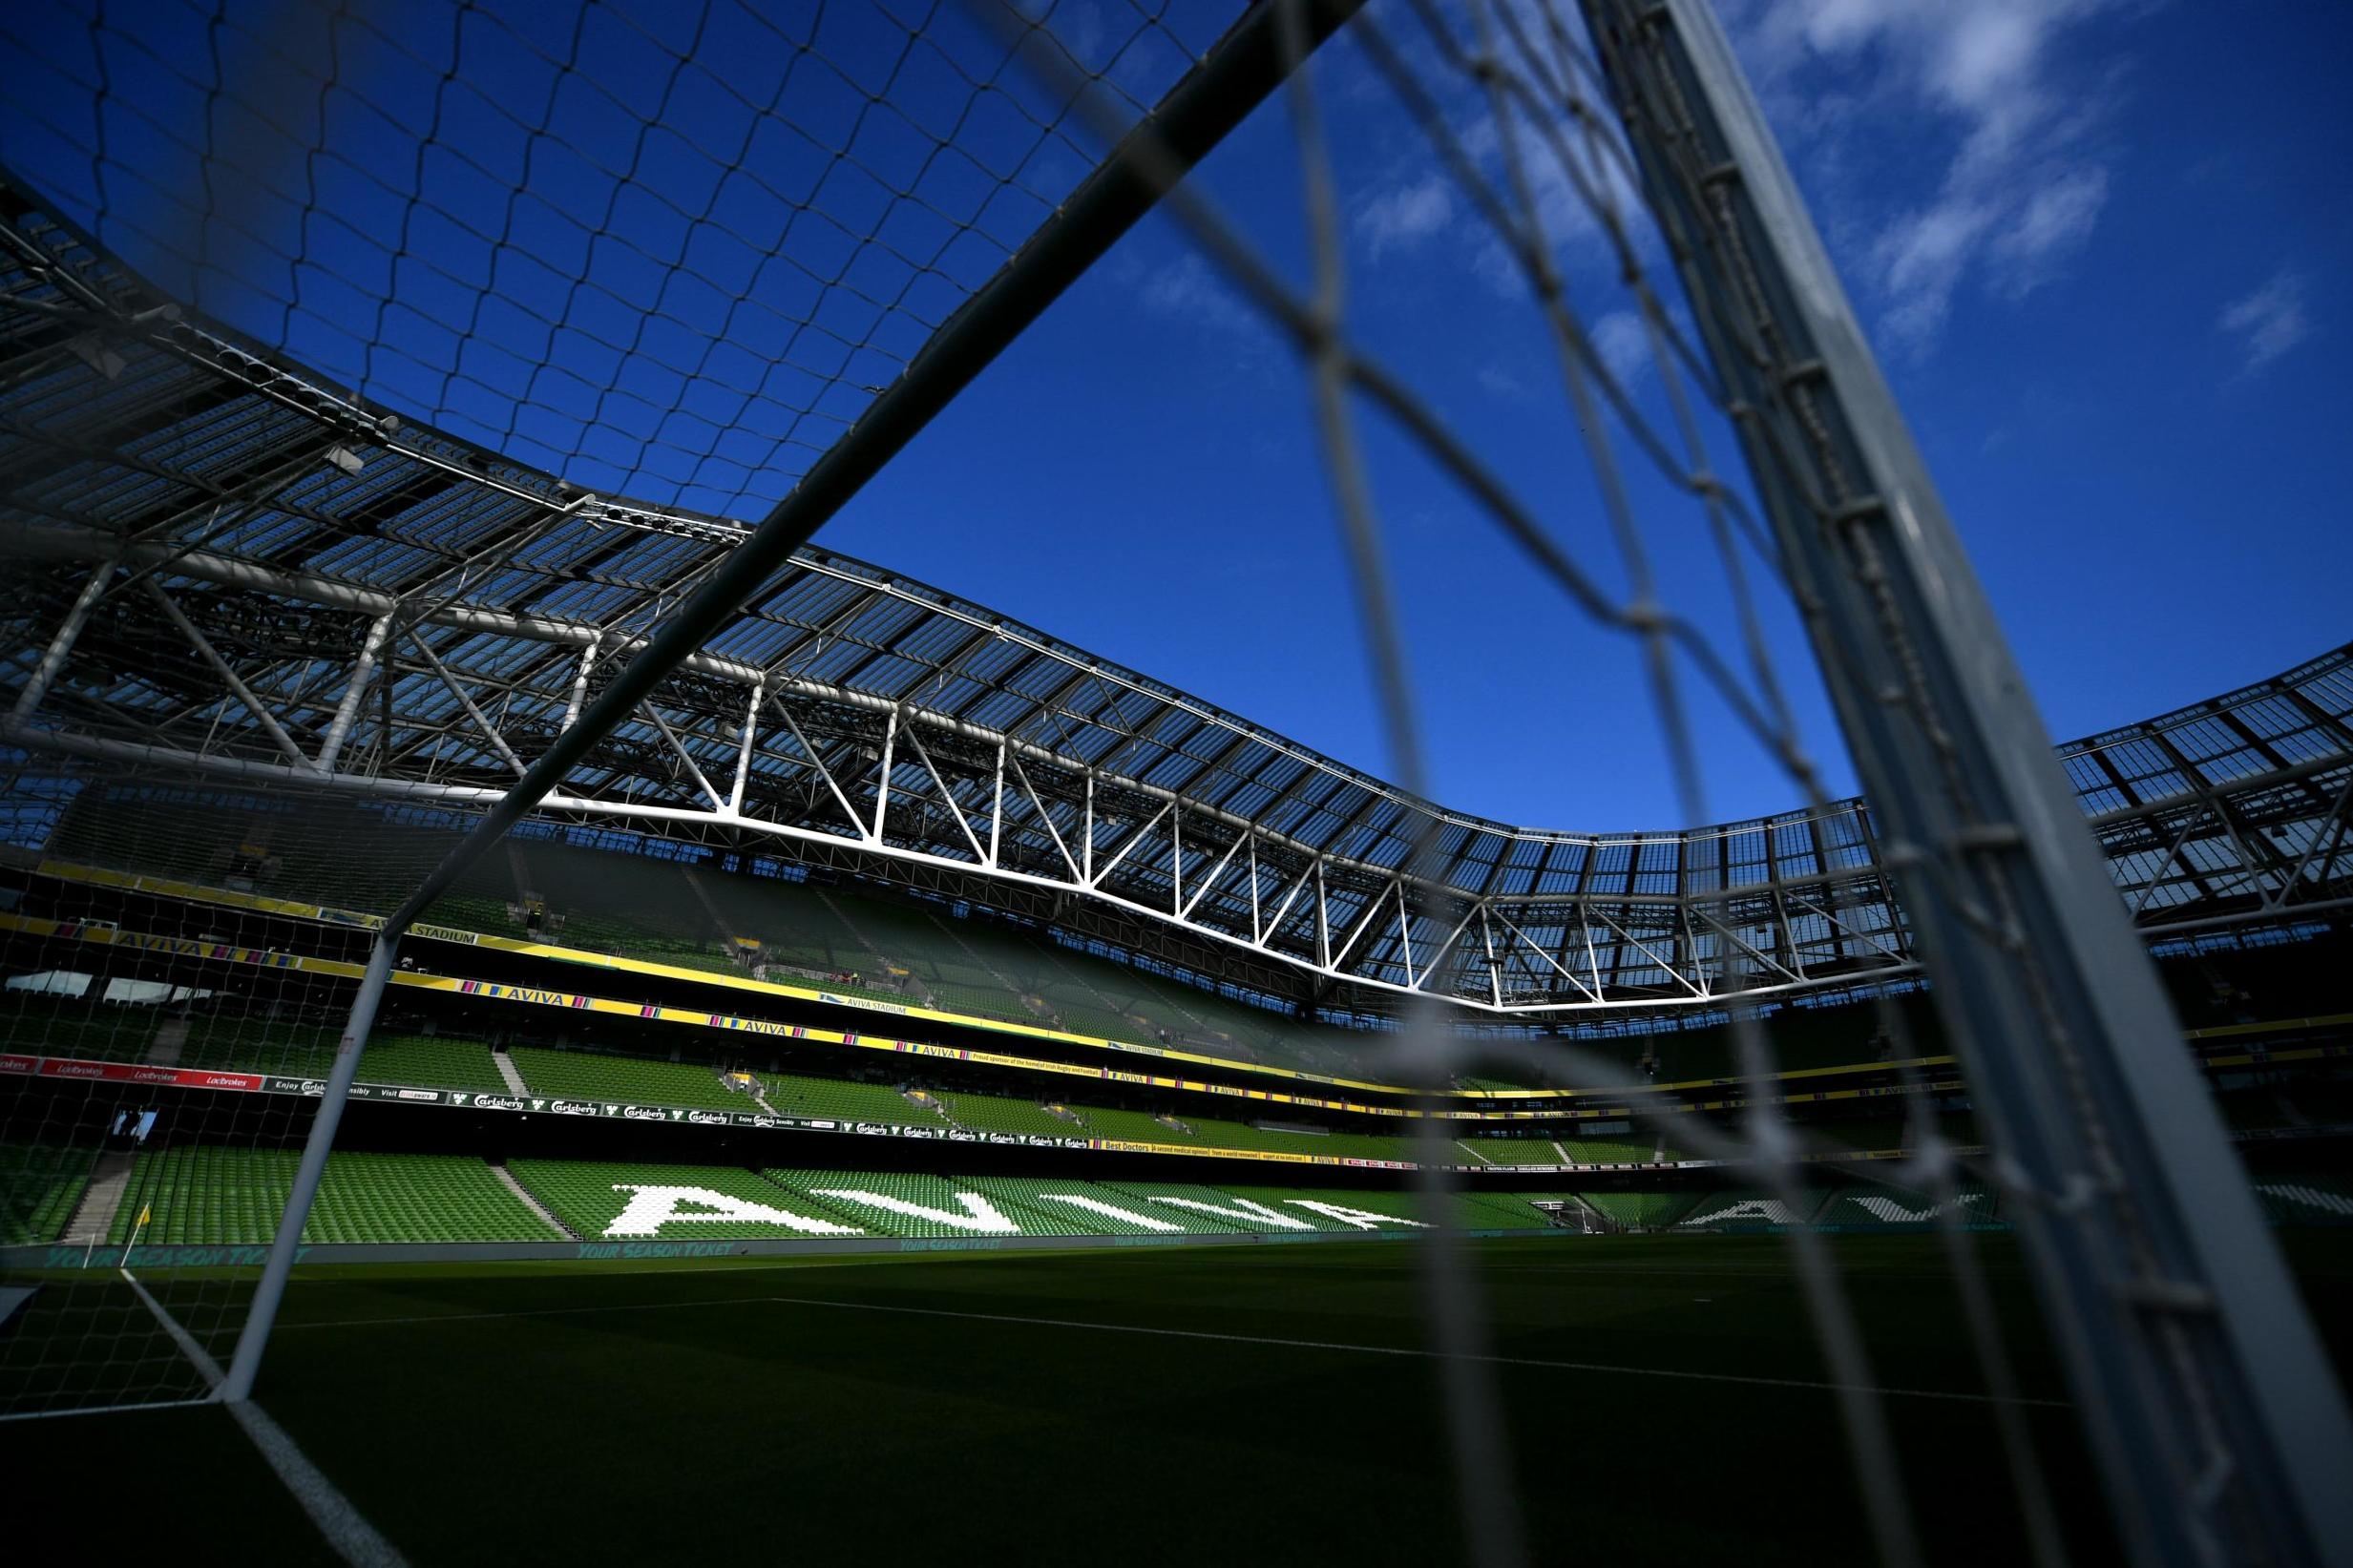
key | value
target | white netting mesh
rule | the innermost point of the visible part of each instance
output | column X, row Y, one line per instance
column 170, row 1005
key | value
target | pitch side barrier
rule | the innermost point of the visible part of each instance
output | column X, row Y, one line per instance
column 147, row 1076
column 58, row 1256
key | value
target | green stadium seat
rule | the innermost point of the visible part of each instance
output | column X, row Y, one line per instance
column 40, row 1184
column 1899, row 1208
column 906, row 1203
column 1634, row 1210
column 843, row 1099
column 617, row 1200
column 587, row 1074
column 215, row 1195
column 1002, row 1114
column 1748, row 1210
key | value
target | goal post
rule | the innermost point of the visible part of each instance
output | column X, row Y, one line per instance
column 2189, row 1348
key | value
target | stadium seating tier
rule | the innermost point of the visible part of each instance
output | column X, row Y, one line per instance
column 585, row 1075
column 40, row 1184
column 218, row 1195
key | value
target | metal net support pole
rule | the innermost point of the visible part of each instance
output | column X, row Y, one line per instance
column 254, row 1338
column 2205, row 1393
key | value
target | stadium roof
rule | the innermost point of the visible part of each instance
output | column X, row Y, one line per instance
column 240, row 570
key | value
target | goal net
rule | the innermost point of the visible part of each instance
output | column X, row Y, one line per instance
column 181, row 955
column 599, row 296
column 418, row 312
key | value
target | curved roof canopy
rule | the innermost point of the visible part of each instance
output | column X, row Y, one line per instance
column 232, row 567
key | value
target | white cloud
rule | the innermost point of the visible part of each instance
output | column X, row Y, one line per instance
column 1570, row 208
column 1418, row 202
column 2022, row 190
column 1920, row 260
column 1404, row 214
column 1186, row 289
column 1624, row 344
column 2267, row 322
column 2055, row 220
column 1500, row 382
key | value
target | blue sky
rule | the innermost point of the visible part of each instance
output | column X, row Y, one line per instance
column 2105, row 277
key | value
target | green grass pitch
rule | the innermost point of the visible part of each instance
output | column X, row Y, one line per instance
column 1177, row 1406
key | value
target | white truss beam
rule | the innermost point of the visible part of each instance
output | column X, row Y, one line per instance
column 61, row 645
column 229, row 676
column 744, row 752
column 719, row 801
column 348, row 710
column 481, row 719
column 1094, row 878
column 816, row 760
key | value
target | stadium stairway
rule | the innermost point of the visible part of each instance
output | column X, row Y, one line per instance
column 506, row 1180
column 1588, row 1216
column 1629, row 1210
column 1005, row 1114
column 170, row 1035
column 95, row 1215
column 505, row 1070
column 930, row 1105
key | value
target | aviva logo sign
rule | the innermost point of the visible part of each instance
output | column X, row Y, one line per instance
column 651, row 1210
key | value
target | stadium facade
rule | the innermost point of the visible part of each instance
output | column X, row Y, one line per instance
column 228, row 569
column 276, row 647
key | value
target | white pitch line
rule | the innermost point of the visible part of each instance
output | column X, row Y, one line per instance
column 345, row 1529
column 205, row 1366
column 524, row 1312
column 1188, row 1333
column 1571, row 1273
column 1431, row 1356
column 106, row 1409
